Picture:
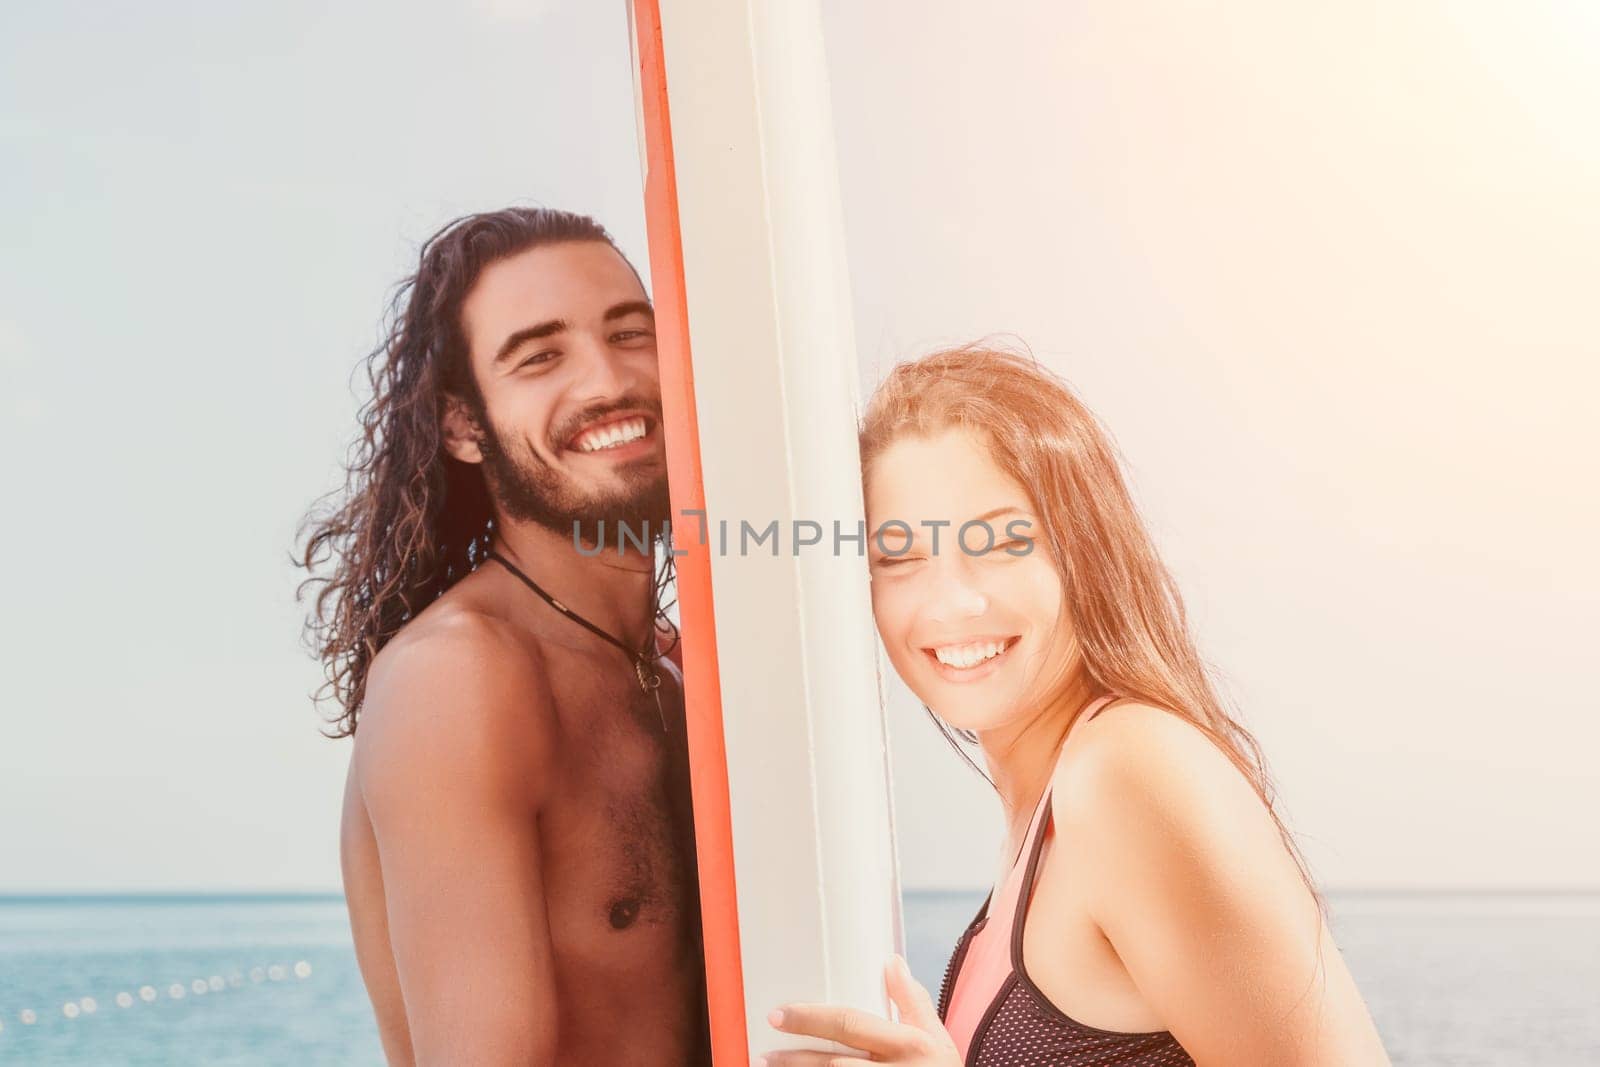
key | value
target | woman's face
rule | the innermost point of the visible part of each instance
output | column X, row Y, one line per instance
column 969, row 625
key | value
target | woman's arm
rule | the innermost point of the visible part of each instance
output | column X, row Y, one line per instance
column 1189, row 880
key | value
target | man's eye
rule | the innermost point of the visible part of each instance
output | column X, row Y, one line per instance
column 629, row 335
column 537, row 357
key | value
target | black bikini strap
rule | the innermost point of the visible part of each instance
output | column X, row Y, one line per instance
column 1034, row 855
column 1025, row 894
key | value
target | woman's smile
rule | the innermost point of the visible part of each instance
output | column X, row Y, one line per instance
column 970, row 659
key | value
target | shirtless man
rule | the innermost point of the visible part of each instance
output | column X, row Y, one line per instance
column 516, row 841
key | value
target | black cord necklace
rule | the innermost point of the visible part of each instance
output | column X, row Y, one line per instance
column 644, row 660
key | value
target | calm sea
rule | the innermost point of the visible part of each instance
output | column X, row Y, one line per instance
column 172, row 980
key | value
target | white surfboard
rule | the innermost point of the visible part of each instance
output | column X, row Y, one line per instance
column 787, row 732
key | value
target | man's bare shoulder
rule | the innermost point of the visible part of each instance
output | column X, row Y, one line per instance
column 458, row 695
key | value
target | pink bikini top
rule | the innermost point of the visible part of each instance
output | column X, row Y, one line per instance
column 992, row 1008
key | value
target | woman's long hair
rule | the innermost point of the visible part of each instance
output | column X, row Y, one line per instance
column 411, row 521
column 1124, row 607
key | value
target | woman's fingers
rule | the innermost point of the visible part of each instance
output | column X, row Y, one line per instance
column 919, row 1037
column 916, row 1007
column 848, row 1026
column 795, row 1058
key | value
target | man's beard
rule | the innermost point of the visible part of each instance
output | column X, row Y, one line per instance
column 531, row 491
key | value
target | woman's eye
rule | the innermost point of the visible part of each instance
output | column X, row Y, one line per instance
column 890, row 561
column 1013, row 549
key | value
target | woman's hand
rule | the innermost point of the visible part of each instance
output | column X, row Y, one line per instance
column 919, row 1039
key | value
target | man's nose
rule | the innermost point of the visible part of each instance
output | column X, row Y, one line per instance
column 602, row 374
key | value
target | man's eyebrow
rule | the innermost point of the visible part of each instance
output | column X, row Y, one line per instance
column 629, row 307
column 555, row 326
column 985, row 517
column 529, row 333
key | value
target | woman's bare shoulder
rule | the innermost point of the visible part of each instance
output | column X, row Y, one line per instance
column 1143, row 774
column 1131, row 742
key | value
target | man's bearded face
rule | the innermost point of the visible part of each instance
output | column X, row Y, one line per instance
column 528, row 488
column 562, row 347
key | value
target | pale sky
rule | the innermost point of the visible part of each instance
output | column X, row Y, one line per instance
column 1326, row 272
column 204, row 209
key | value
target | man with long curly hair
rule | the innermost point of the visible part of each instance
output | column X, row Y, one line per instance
column 516, row 842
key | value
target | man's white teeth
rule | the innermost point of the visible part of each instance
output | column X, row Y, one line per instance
column 963, row 656
column 617, row 433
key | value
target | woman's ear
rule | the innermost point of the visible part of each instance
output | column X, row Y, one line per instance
column 462, row 435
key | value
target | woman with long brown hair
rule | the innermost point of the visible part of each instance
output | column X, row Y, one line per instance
column 1150, row 906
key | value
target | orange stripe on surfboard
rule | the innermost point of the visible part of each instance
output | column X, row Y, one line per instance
column 708, row 758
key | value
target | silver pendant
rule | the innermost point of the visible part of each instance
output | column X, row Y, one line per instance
column 648, row 681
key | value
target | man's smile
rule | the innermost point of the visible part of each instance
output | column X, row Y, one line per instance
column 616, row 436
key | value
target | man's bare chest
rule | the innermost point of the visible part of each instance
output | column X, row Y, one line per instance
column 616, row 830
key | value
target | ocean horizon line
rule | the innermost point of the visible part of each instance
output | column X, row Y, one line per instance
column 192, row 895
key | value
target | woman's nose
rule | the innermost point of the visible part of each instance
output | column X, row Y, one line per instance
column 955, row 595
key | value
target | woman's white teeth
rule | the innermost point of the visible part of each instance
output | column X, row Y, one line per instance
column 962, row 656
column 617, row 433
